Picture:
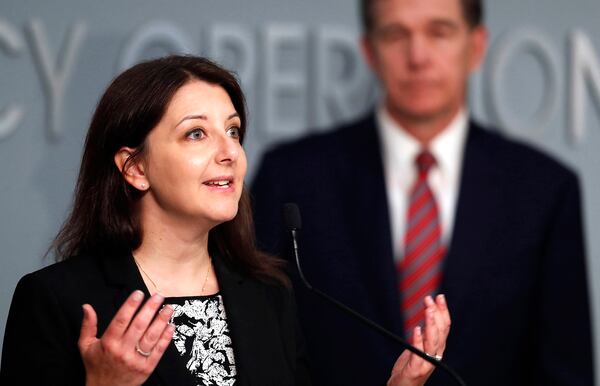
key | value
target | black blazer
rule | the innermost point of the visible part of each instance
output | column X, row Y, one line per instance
column 514, row 274
column 40, row 343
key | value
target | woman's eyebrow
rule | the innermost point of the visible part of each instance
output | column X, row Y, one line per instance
column 187, row 117
column 203, row 117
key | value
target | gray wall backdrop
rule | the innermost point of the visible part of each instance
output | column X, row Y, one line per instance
column 300, row 67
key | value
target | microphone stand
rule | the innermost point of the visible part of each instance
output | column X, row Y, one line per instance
column 367, row 321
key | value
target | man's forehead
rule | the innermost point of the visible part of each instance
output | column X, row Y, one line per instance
column 417, row 11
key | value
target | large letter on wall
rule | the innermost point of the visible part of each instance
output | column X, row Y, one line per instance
column 535, row 43
column 232, row 46
column 149, row 34
column 284, row 81
column 340, row 76
column 584, row 67
column 11, row 116
column 55, row 73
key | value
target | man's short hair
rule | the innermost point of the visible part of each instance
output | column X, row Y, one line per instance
column 472, row 9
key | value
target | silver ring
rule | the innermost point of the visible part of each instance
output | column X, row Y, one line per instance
column 142, row 352
column 434, row 356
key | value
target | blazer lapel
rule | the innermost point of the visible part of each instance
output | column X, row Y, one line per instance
column 122, row 274
column 246, row 311
column 371, row 224
column 479, row 209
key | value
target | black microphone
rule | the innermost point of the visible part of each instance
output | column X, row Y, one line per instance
column 293, row 222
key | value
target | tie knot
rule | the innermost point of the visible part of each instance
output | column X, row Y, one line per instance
column 424, row 161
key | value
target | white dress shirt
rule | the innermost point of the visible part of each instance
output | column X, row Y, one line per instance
column 399, row 152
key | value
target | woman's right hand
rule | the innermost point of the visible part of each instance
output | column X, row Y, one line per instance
column 131, row 346
column 412, row 370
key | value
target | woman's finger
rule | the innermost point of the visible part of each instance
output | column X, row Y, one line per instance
column 141, row 321
column 442, row 318
column 154, row 332
column 161, row 346
column 118, row 325
column 444, row 313
column 89, row 327
column 432, row 334
column 414, row 361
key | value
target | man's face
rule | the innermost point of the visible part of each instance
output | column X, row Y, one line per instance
column 423, row 52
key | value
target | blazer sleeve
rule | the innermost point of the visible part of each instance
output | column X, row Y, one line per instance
column 40, row 342
column 565, row 349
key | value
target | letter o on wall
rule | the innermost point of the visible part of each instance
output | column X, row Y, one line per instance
column 530, row 41
column 154, row 32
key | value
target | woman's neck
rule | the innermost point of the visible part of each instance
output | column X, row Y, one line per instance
column 173, row 259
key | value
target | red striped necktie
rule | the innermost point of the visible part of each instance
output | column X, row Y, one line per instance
column 420, row 269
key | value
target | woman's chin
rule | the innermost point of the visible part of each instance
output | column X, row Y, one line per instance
column 224, row 216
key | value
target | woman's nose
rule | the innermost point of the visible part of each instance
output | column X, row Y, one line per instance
column 229, row 149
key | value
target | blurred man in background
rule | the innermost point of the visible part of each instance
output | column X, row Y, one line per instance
column 416, row 199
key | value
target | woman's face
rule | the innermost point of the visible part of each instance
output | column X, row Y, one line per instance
column 194, row 163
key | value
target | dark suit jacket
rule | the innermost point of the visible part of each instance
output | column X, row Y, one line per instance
column 40, row 344
column 514, row 274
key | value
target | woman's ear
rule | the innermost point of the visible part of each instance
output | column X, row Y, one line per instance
column 131, row 169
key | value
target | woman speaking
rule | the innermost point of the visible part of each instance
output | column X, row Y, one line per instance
column 161, row 213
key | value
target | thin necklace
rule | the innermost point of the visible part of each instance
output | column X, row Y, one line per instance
column 156, row 287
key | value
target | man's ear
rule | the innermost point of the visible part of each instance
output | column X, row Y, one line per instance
column 131, row 169
column 368, row 52
column 479, row 44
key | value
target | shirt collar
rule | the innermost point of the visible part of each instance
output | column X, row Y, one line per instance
column 400, row 148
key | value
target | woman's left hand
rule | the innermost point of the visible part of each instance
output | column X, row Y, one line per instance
column 412, row 370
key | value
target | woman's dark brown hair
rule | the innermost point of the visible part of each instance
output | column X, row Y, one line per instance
column 103, row 219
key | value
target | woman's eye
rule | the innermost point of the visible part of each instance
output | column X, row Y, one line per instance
column 195, row 134
column 233, row 132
